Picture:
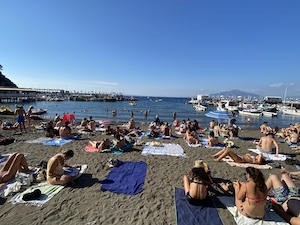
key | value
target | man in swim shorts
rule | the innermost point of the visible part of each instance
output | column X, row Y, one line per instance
column 20, row 112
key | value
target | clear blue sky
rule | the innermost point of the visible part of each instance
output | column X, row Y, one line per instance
column 177, row 48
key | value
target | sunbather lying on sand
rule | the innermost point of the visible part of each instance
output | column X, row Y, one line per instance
column 104, row 144
column 246, row 158
column 15, row 163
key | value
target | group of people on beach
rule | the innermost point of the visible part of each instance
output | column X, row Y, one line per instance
column 250, row 196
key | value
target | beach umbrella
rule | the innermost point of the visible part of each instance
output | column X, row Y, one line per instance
column 217, row 114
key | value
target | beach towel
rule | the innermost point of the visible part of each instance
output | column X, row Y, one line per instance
column 128, row 178
column 271, row 217
column 269, row 156
column 90, row 148
column 193, row 145
column 3, row 158
column 231, row 162
column 187, row 214
column 204, row 142
column 39, row 140
column 47, row 190
column 164, row 149
column 57, row 142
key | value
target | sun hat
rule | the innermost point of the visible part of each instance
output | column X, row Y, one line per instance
column 198, row 163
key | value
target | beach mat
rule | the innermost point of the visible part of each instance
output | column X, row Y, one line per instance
column 269, row 156
column 56, row 142
column 188, row 214
column 47, row 190
column 164, row 149
column 231, row 162
column 128, row 178
column 270, row 218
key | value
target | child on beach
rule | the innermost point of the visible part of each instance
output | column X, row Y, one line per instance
column 196, row 183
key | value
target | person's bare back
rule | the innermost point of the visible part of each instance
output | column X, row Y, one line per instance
column 266, row 143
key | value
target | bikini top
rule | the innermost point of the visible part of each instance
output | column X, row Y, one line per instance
column 197, row 182
column 256, row 200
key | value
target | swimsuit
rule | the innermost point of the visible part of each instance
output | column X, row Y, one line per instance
column 194, row 201
column 21, row 119
column 282, row 194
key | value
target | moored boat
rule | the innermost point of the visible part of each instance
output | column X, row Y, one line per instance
column 38, row 111
column 6, row 110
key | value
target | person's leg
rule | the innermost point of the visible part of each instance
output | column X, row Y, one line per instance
column 219, row 153
column 273, row 182
column 9, row 162
column 186, row 184
column 288, row 180
column 63, row 180
column 18, row 164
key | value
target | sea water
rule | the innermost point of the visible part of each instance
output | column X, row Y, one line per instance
column 163, row 107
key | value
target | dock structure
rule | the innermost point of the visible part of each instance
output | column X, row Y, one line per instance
column 17, row 94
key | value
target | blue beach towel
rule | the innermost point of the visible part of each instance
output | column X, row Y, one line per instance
column 128, row 178
column 57, row 142
column 187, row 214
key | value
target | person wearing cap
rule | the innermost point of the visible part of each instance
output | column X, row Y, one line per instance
column 266, row 144
column 196, row 183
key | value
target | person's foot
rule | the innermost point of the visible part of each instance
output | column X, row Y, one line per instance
column 217, row 160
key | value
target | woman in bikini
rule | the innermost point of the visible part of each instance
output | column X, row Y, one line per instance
column 101, row 145
column 246, row 158
column 196, row 183
column 251, row 196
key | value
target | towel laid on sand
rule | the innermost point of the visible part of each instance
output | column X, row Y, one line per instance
column 194, row 145
column 269, row 156
column 128, row 178
column 187, row 214
column 57, row 142
column 231, row 162
column 164, row 149
column 47, row 190
column 204, row 142
column 39, row 140
column 270, row 218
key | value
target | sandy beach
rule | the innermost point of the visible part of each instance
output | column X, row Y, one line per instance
column 85, row 203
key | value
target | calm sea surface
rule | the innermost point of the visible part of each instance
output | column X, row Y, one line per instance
column 165, row 108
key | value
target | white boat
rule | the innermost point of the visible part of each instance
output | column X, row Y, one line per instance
column 292, row 112
column 269, row 114
column 132, row 103
column 250, row 112
column 200, row 108
column 227, row 105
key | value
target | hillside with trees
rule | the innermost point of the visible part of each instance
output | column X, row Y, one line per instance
column 4, row 81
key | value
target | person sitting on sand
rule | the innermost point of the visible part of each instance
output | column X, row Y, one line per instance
column 286, row 196
column 176, row 123
column 15, row 163
column 250, row 196
column 196, row 184
column 212, row 124
column 101, row 145
column 190, row 137
column 131, row 124
column 246, row 158
column 110, row 131
column 266, row 144
column 293, row 137
column 264, row 128
column 212, row 140
column 182, row 127
column 50, row 131
column 84, row 122
column 165, row 129
column 55, row 172
column 65, row 132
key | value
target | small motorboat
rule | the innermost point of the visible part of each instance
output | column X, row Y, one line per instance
column 38, row 111
column 6, row 110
